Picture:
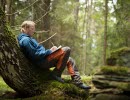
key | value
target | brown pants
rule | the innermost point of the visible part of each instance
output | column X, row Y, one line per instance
column 60, row 59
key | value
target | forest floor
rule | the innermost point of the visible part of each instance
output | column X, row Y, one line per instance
column 5, row 90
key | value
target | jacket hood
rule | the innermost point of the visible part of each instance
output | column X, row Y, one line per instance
column 20, row 36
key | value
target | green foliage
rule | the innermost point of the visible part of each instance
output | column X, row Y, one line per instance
column 63, row 12
column 121, row 26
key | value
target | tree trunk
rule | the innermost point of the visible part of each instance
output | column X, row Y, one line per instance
column 8, row 10
column 10, row 17
column 76, row 13
column 105, row 32
column 43, row 21
column 46, row 20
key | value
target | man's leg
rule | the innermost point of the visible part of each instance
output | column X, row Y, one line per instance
column 62, row 61
column 73, row 71
column 58, row 60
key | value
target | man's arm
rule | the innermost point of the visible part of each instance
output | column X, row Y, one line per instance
column 35, row 50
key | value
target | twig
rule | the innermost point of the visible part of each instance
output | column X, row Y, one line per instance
column 47, row 39
column 22, row 9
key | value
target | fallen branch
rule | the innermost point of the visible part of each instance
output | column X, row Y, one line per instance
column 47, row 39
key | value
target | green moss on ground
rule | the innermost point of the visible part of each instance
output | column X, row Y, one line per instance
column 55, row 91
column 4, row 87
column 59, row 91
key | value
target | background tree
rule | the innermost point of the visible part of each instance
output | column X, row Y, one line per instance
column 105, row 31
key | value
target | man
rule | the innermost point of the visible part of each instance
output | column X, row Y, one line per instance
column 46, row 59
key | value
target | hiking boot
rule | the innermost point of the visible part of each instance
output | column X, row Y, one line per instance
column 83, row 86
column 76, row 79
column 57, row 78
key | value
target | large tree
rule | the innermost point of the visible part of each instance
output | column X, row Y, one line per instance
column 105, row 32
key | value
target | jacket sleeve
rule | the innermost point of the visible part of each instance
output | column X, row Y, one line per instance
column 35, row 50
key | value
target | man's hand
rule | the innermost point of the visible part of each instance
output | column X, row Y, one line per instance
column 53, row 48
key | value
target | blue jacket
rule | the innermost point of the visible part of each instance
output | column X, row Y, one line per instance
column 32, row 50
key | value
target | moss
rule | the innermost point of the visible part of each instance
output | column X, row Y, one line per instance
column 4, row 87
column 104, row 96
column 47, row 97
column 116, row 56
column 58, row 91
column 66, row 89
column 115, row 70
column 118, row 52
column 124, row 86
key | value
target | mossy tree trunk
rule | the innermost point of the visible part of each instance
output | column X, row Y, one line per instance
column 15, row 69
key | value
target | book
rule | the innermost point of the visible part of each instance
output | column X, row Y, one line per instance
column 57, row 48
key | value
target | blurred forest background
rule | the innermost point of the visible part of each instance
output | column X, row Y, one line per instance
column 92, row 28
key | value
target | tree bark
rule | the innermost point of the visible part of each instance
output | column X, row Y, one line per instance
column 105, row 32
column 8, row 10
column 76, row 13
column 10, row 17
column 46, row 20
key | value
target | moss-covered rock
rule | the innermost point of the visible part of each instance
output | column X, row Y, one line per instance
column 112, row 77
column 116, row 70
column 110, row 97
column 120, row 57
column 114, row 80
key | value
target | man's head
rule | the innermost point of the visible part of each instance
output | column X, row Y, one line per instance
column 28, row 27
